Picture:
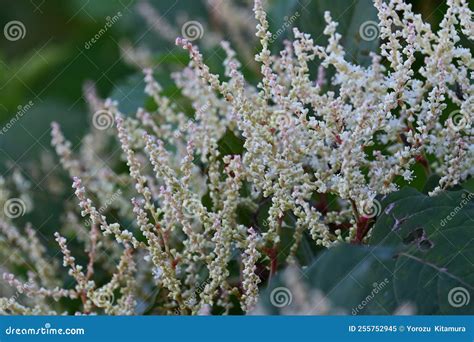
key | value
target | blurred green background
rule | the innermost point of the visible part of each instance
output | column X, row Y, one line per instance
column 51, row 63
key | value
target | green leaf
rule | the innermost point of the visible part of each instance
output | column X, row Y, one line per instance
column 230, row 144
column 356, row 279
column 437, row 237
column 421, row 250
column 407, row 210
column 469, row 185
column 431, row 183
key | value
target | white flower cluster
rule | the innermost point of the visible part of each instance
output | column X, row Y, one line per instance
column 304, row 142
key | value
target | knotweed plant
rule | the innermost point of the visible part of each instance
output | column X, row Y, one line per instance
column 174, row 241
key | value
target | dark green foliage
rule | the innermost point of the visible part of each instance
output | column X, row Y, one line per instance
column 421, row 251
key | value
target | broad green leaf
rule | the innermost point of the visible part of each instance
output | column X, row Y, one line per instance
column 355, row 280
column 436, row 235
column 407, row 210
column 421, row 251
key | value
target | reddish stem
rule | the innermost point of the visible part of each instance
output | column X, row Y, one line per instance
column 272, row 255
column 362, row 229
column 424, row 162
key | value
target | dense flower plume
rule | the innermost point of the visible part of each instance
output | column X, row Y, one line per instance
column 304, row 145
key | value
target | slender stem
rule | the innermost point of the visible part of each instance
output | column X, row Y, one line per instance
column 273, row 253
column 94, row 235
column 355, row 210
column 362, row 224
